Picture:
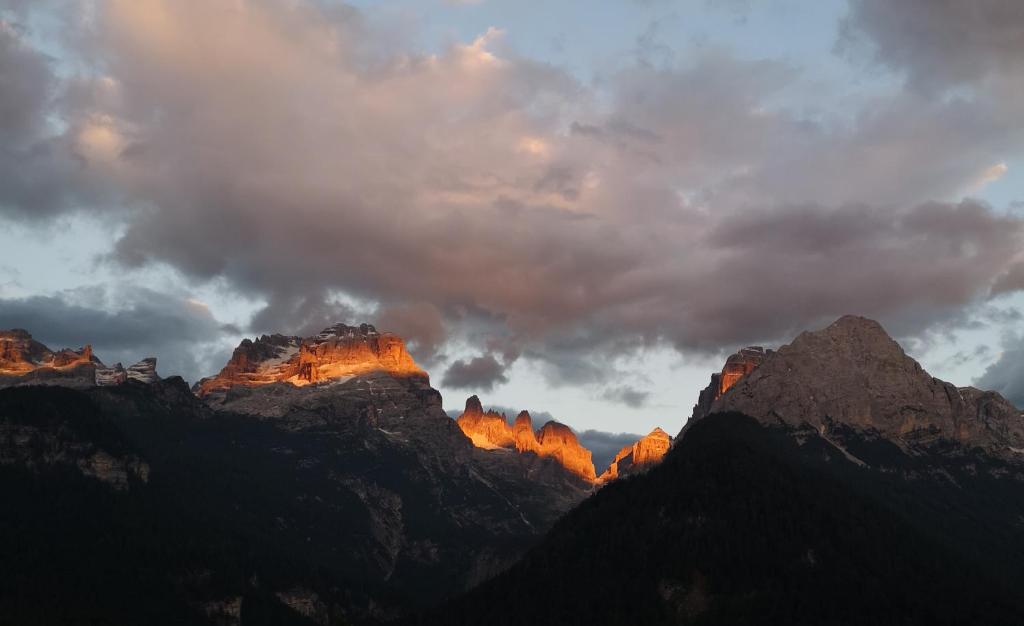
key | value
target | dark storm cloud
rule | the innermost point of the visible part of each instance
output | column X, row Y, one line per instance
column 38, row 171
column 942, row 43
column 125, row 326
column 420, row 324
column 474, row 189
column 1006, row 374
column 302, row 314
column 482, row 372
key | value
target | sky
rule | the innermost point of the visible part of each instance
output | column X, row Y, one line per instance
column 571, row 207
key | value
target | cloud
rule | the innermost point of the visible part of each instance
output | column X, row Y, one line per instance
column 941, row 43
column 476, row 194
column 627, row 395
column 480, row 373
column 420, row 324
column 1006, row 374
column 39, row 172
column 126, row 326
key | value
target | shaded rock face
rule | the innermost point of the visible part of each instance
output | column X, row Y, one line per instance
column 746, row 524
column 852, row 375
column 337, row 353
column 638, row 457
column 736, row 367
column 23, row 361
column 441, row 512
column 144, row 372
column 491, row 430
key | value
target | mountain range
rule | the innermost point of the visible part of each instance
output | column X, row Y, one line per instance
column 832, row 482
column 317, row 480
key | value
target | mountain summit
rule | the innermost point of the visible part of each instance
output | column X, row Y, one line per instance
column 852, row 374
column 334, row 355
column 491, row 430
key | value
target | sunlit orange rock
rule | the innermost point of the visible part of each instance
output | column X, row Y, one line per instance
column 522, row 434
column 558, row 441
column 736, row 367
column 491, row 430
column 486, row 430
column 643, row 454
column 337, row 353
column 20, row 353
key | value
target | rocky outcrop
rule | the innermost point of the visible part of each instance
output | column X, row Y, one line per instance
column 109, row 376
column 25, row 361
column 736, row 367
column 638, row 457
column 485, row 430
column 853, row 375
column 335, row 354
column 523, row 437
column 144, row 372
column 557, row 441
column 491, row 430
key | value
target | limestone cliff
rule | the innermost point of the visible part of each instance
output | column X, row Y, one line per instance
column 25, row 361
column 491, row 430
column 635, row 458
column 852, row 375
column 736, row 367
column 337, row 353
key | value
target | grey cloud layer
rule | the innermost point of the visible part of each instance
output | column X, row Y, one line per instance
column 479, row 373
column 125, row 326
column 939, row 43
column 680, row 204
column 1006, row 374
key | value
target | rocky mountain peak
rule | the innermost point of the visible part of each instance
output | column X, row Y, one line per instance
column 473, row 406
column 641, row 455
column 20, row 353
column 852, row 374
column 559, row 441
column 335, row 354
column 736, row 367
column 491, row 430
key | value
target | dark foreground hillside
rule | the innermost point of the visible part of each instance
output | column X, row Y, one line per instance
column 138, row 504
column 744, row 524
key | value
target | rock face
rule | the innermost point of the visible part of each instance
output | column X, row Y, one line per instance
column 491, row 430
column 485, row 430
column 642, row 455
column 431, row 511
column 853, row 375
column 337, row 353
column 736, row 367
column 559, row 442
column 109, row 376
column 144, row 372
column 25, row 361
